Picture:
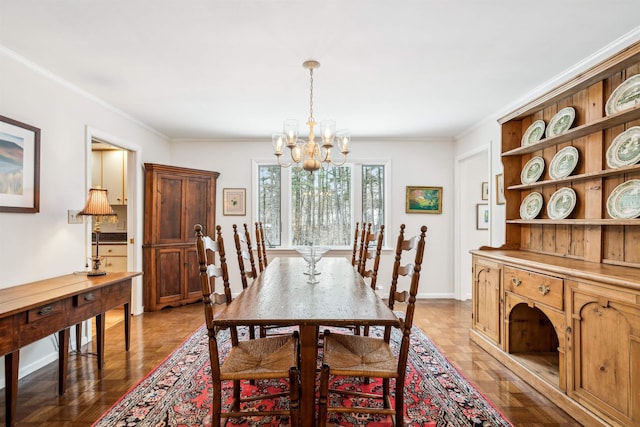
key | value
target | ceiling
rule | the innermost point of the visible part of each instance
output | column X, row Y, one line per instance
column 232, row 69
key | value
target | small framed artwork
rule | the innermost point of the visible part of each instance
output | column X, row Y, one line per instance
column 19, row 167
column 500, row 189
column 485, row 191
column 234, row 201
column 482, row 216
column 424, row 200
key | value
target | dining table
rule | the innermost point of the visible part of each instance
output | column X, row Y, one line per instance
column 281, row 295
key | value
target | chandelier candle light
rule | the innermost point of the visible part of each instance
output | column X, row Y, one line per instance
column 98, row 206
column 311, row 155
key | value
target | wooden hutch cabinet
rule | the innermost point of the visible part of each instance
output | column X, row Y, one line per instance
column 175, row 199
column 559, row 303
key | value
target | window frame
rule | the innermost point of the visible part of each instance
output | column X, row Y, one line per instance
column 285, row 195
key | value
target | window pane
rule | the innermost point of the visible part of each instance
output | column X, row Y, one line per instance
column 373, row 195
column 321, row 206
column 269, row 198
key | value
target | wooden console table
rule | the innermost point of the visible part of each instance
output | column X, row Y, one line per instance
column 36, row 310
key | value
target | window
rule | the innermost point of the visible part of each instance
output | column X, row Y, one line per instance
column 298, row 208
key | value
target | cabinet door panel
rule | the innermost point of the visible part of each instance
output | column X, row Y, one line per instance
column 199, row 206
column 605, row 357
column 113, row 175
column 169, row 209
column 193, row 287
column 168, row 275
column 486, row 299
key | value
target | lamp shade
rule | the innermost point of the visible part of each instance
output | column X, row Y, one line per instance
column 97, row 203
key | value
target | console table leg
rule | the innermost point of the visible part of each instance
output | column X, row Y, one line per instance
column 11, row 362
column 63, row 360
column 127, row 326
column 100, row 338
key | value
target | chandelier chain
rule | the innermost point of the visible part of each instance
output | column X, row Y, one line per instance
column 311, row 119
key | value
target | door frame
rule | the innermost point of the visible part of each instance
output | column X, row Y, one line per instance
column 458, row 227
column 135, row 192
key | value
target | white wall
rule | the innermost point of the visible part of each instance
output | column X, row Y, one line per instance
column 413, row 163
column 42, row 245
column 487, row 133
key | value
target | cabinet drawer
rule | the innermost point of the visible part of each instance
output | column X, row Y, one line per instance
column 113, row 250
column 114, row 263
column 538, row 287
column 42, row 321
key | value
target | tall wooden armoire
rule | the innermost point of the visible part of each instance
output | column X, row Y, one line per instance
column 175, row 199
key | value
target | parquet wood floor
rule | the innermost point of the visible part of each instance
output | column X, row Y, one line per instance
column 154, row 335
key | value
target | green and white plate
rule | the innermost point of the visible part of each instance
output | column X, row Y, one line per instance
column 561, row 203
column 564, row 162
column 625, row 96
column 532, row 170
column 531, row 206
column 624, row 200
column 561, row 122
column 533, row 133
column 625, row 149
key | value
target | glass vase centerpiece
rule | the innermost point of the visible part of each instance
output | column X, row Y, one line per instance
column 312, row 255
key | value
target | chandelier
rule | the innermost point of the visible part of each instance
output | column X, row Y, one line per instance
column 311, row 155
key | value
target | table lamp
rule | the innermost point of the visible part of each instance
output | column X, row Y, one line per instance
column 98, row 207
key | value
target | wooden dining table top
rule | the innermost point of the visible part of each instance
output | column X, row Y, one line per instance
column 280, row 295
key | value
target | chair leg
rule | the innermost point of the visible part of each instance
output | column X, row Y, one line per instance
column 385, row 392
column 324, row 391
column 399, row 403
column 294, row 397
column 216, row 408
column 235, row 405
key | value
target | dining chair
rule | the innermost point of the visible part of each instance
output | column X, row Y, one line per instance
column 262, row 249
column 363, row 233
column 250, row 360
column 356, row 234
column 371, row 274
column 363, row 356
column 244, row 252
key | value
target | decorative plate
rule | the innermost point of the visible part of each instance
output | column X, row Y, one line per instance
column 560, row 122
column 561, row 203
column 532, row 170
column 531, row 206
column 625, row 96
column 624, row 200
column 563, row 162
column 625, row 149
column 533, row 133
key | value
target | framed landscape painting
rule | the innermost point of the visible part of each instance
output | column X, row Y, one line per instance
column 424, row 200
column 19, row 167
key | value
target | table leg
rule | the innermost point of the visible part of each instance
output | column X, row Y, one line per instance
column 78, row 337
column 11, row 362
column 127, row 326
column 100, row 338
column 63, row 359
column 308, row 358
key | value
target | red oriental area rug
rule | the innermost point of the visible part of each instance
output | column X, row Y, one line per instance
column 178, row 392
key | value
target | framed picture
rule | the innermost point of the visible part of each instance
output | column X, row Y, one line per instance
column 19, row 167
column 500, row 189
column 485, row 191
column 424, row 200
column 233, row 201
column 482, row 216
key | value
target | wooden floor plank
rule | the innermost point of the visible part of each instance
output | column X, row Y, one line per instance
column 154, row 335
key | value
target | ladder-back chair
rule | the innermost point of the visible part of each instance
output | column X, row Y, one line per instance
column 356, row 234
column 363, row 356
column 244, row 252
column 262, row 248
column 250, row 360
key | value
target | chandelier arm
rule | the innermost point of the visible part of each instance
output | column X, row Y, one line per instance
column 282, row 165
column 344, row 160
